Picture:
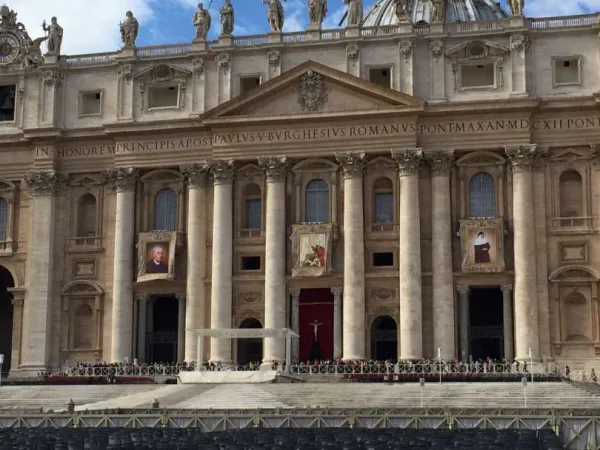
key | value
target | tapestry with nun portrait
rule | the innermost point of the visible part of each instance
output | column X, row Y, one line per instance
column 482, row 245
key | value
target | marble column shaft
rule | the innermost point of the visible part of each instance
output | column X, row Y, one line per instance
column 123, row 181
column 222, row 259
column 441, row 254
column 195, row 308
column 181, row 314
column 337, row 322
column 463, row 302
column 295, row 294
column 275, row 263
column 37, row 307
column 17, row 302
column 525, row 290
column 507, row 319
column 142, row 323
column 411, row 321
column 353, row 311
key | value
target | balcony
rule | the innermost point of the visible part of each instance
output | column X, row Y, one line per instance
column 382, row 230
column 6, row 248
column 85, row 244
column 572, row 225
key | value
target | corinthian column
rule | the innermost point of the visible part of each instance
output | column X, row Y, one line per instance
column 411, row 338
column 275, row 289
column 441, row 254
column 522, row 158
column 195, row 310
column 123, row 181
column 353, row 310
column 37, row 308
column 222, row 259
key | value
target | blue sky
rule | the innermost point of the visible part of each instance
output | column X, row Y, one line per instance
column 94, row 26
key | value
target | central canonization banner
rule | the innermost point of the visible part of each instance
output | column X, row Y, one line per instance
column 311, row 245
column 482, row 245
column 156, row 255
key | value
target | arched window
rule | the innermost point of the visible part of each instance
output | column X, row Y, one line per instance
column 3, row 219
column 384, row 201
column 84, row 328
column 482, row 196
column 252, row 207
column 571, row 194
column 577, row 317
column 165, row 210
column 316, row 205
column 86, row 216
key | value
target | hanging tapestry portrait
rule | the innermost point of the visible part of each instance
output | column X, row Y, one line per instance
column 311, row 245
column 156, row 256
column 482, row 242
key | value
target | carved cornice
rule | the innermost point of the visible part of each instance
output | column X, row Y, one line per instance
column 406, row 49
column 352, row 51
column 222, row 60
column 521, row 157
column 45, row 183
column 222, row 171
column 436, row 48
column 198, row 66
column 540, row 159
column 274, row 56
column 518, row 42
column 353, row 163
column 53, row 78
column 195, row 174
column 121, row 179
column 409, row 160
column 275, row 167
column 441, row 162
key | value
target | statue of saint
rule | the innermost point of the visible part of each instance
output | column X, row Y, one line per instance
column 516, row 7
column 402, row 11
column 275, row 16
column 355, row 12
column 202, row 22
column 227, row 19
column 317, row 10
column 129, row 29
column 437, row 13
column 55, row 36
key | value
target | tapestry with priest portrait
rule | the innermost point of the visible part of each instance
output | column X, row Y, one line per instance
column 156, row 256
column 482, row 242
column 311, row 244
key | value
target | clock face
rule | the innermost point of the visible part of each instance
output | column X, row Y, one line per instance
column 9, row 48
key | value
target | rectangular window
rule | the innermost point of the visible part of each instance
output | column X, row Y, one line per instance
column 90, row 103
column 250, row 263
column 381, row 76
column 384, row 207
column 477, row 75
column 247, row 83
column 567, row 71
column 383, row 259
column 7, row 103
column 253, row 213
column 163, row 97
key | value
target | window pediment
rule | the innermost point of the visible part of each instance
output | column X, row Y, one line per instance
column 81, row 287
column 315, row 165
column 569, row 156
column 250, row 171
column 574, row 272
column 476, row 50
column 162, row 73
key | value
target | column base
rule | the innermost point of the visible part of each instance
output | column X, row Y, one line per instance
column 32, row 371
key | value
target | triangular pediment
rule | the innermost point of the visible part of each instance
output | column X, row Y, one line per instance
column 162, row 73
column 311, row 89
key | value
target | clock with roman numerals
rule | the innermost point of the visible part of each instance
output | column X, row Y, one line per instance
column 9, row 48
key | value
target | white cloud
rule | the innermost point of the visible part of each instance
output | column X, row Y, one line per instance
column 296, row 16
column 89, row 26
column 333, row 18
column 550, row 8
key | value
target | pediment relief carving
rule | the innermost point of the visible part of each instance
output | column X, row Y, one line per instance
column 574, row 272
column 478, row 159
column 321, row 165
column 161, row 176
column 162, row 73
column 475, row 50
column 7, row 190
column 383, row 294
column 251, row 172
column 569, row 156
column 81, row 288
column 381, row 163
column 85, row 181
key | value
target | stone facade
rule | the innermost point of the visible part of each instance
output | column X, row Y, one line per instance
column 96, row 139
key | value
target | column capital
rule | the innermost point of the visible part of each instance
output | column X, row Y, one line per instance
column 337, row 291
column 352, row 163
column 595, row 155
column 506, row 287
column 409, row 160
column 275, row 167
column 45, row 182
column 195, row 174
column 18, row 294
column 523, row 158
column 463, row 288
column 180, row 296
column 121, row 179
column 222, row 171
column 294, row 292
column 142, row 297
column 441, row 162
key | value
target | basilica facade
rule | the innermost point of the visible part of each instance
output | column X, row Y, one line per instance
column 414, row 189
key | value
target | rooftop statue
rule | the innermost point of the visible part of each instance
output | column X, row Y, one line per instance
column 129, row 30
column 55, row 36
column 202, row 22
column 401, row 9
column 516, row 7
column 437, row 12
column 354, row 13
column 275, row 15
column 317, row 10
column 227, row 19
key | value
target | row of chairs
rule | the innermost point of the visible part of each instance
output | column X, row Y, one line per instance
column 276, row 439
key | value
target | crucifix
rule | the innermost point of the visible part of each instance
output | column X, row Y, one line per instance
column 316, row 324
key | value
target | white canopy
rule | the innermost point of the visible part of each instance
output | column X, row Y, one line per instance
column 240, row 333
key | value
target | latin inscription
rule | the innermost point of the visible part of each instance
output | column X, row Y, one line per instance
column 324, row 133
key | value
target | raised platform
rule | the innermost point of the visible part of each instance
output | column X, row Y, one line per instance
column 237, row 377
